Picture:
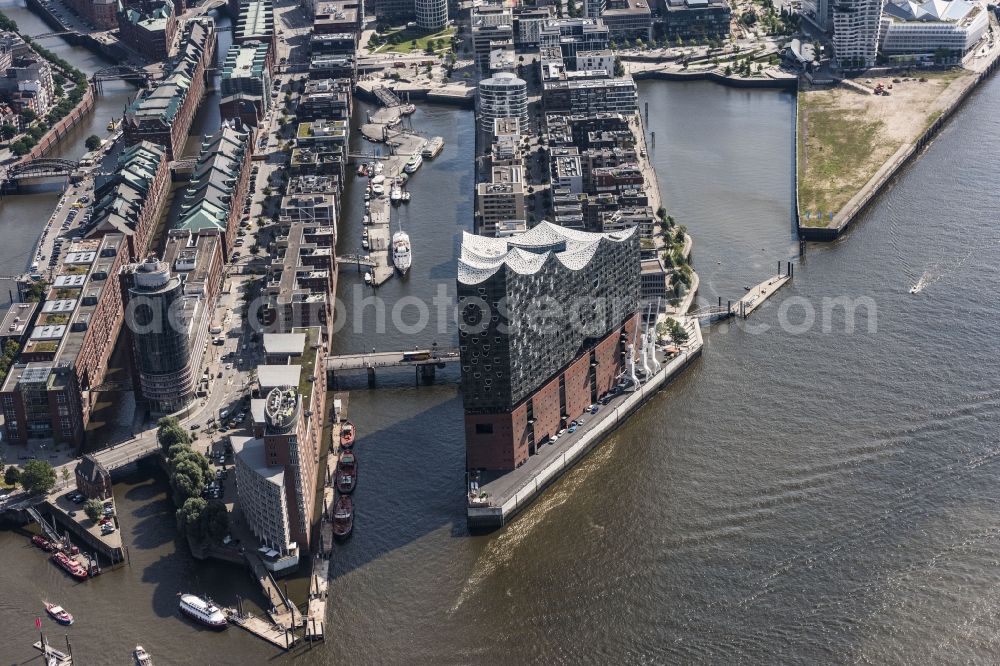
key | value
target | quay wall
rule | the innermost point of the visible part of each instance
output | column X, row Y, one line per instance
column 419, row 93
column 497, row 516
column 790, row 83
column 87, row 541
column 110, row 51
column 860, row 202
column 58, row 132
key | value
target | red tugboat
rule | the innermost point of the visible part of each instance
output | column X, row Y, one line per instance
column 343, row 517
column 347, row 473
column 43, row 543
column 59, row 614
column 347, row 435
column 71, row 566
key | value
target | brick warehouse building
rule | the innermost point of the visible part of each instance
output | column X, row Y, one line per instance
column 545, row 319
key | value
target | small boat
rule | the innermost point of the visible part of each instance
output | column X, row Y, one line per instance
column 70, row 566
column 43, row 543
column 203, row 611
column 378, row 180
column 343, row 517
column 413, row 163
column 407, row 109
column 406, row 197
column 915, row 289
column 347, row 435
column 59, row 614
column 362, row 170
column 368, row 277
column 366, row 220
column 347, row 473
column 396, row 193
column 747, row 287
column 401, row 252
column 141, row 657
column 364, row 243
column 378, row 190
column 378, row 169
column 364, row 233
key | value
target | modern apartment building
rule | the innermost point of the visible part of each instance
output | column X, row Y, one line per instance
column 579, row 93
column 569, row 308
column 500, row 200
column 218, row 185
column 302, row 279
column 325, row 98
column 696, row 21
column 528, row 21
column 163, row 113
column 856, row 32
column 50, row 391
column 502, row 96
column 932, row 30
column 574, row 35
column 282, row 457
column 628, row 20
column 431, row 14
column 246, row 83
column 492, row 27
column 27, row 77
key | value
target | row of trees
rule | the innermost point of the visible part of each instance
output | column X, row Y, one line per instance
column 189, row 474
column 36, row 127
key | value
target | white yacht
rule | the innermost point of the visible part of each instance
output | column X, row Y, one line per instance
column 203, row 611
column 401, row 256
column 396, row 193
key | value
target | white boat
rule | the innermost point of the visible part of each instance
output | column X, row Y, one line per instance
column 407, row 109
column 413, row 163
column 364, row 233
column 365, row 221
column 406, row 197
column 364, row 244
column 368, row 277
column 203, row 611
column 378, row 190
column 401, row 255
column 378, row 168
column 396, row 193
column 378, row 180
column 141, row 657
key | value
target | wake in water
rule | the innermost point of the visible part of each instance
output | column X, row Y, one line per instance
column 936, row 272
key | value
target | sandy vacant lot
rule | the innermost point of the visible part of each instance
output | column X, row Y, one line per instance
column 846, row 135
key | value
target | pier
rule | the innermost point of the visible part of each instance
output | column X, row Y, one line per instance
column 52, row 656
column 274, row 634
column 756, row 295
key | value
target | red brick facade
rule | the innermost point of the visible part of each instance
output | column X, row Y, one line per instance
column 505, row 441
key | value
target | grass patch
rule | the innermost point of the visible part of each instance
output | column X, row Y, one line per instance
column 414, row 40
column 839, row 151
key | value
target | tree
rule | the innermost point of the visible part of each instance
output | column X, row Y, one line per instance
column 38, row 476
column 64, row 474
column 93, row 508
column 170, row 432
column 12, row 476
column 8, row 131
column 189, row 518
column 215, row 521
column 28, row 116
column 187, row 481
column 93, row 142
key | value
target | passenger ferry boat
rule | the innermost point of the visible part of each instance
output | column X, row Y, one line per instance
column 203, row 611
column 413, row 163
column 141, row 657
column 401, row 254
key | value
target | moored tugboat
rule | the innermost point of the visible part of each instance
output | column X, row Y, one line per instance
column 43, row 543
column 343, row 517
column 347, row 473
column 347, row 435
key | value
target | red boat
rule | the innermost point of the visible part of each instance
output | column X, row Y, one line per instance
column 347, row 473
column 43, row 543
column 59, row 614
column 347, row 435
column 70, row 566
column 343, row 517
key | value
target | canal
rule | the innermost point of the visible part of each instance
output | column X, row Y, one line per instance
column 810, row 491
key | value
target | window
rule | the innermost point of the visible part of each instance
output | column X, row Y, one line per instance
column 484, row 428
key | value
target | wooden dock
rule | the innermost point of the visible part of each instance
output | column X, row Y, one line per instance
column 274, row 634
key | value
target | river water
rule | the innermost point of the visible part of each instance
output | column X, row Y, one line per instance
column 807, row 492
